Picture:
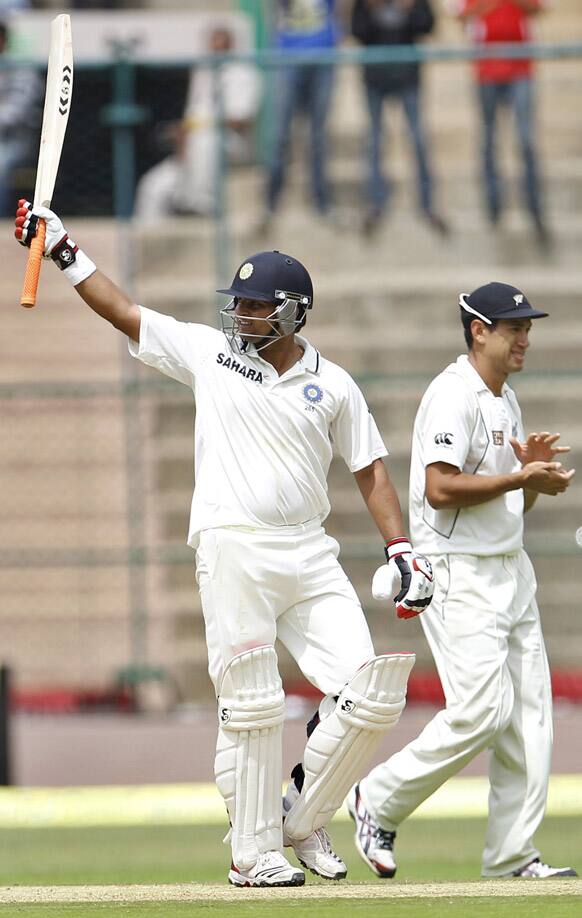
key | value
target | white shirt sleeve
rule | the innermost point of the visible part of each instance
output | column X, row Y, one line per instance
column 450, row 415
column 354, row 431
column 174, row 348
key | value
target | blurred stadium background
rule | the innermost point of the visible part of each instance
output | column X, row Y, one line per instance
column 99, row 613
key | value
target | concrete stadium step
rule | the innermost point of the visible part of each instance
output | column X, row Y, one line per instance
column 556, row 519
column 181, row 262
column 558, row 609
column 399, row 356
column 546, row 403
column 457, row 183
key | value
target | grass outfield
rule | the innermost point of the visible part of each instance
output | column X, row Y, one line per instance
column 429, row 851
column 540, row 907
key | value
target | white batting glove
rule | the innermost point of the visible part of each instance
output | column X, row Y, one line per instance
column 57, row 245
column 27, row 225
column 407, row 572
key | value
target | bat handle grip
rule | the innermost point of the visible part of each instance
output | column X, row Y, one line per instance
column 32, row 274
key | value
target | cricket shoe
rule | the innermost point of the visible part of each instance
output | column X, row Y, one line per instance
column 314, row 852
column 375, row 845
column 537, row 870
column 271, row 869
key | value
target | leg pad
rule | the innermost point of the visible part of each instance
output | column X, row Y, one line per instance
column 350, row 730
column 248, row 766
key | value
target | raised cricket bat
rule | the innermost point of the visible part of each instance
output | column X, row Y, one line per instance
column 57, row 103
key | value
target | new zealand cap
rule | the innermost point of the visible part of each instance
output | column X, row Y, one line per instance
column 266, row 275
column 497, row 301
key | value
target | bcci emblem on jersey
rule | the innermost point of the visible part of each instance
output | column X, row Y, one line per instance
column 312, row 393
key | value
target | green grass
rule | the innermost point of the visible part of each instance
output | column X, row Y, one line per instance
column 431, row 850
column 540, row 907
column 428, row 851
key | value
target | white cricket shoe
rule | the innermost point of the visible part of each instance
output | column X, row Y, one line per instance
column 314, row 852
column 537, row 870
column 271, row 869
column 375, row 845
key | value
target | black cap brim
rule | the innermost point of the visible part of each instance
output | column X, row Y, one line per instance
column 525, row 312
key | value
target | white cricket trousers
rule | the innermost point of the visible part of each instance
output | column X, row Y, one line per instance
column 259, row 585
column 483, row 628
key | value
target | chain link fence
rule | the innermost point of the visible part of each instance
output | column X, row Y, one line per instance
column 96, row 585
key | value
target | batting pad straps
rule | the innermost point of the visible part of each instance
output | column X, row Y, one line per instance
column 339, row 749
column 248, row 767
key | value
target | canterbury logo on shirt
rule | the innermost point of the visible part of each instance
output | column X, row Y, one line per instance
column 231, row 364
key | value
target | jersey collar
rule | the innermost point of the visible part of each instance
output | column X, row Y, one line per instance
column 470, row 374
column 311, row 360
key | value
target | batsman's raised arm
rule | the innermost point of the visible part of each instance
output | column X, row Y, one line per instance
column 98, row 291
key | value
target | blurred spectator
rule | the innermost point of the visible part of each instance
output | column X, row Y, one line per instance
column 506, row 83
column 20, row 94
column 303, row 25
column 395, row 22
column 185, row 182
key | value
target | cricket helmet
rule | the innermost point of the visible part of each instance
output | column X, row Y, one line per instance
column 269, row 277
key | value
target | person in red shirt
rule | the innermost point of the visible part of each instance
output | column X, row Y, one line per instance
column 506, row 82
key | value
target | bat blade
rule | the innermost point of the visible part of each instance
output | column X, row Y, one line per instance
column 57, row 104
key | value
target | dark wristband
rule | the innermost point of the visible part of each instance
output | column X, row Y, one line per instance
column 64, row 253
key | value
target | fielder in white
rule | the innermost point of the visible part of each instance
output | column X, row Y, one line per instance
column 269, row 408
column 473, row 473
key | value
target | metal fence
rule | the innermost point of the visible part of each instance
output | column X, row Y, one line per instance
column 95, row 580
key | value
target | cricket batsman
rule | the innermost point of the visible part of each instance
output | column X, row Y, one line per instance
column 269, row 409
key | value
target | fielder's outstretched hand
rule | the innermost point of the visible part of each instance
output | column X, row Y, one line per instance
column 539, row 447
column 26, row 224
column 407, row 572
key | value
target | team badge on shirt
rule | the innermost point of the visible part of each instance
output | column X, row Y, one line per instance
column 498, row 438
column 312, row 393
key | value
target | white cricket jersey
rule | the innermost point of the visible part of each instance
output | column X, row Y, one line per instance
column 263, row 443
column 461, row 422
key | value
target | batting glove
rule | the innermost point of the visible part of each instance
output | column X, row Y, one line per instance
column 408, row 572
column 58, row 246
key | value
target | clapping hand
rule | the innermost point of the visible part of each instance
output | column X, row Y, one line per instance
column 539, row 447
